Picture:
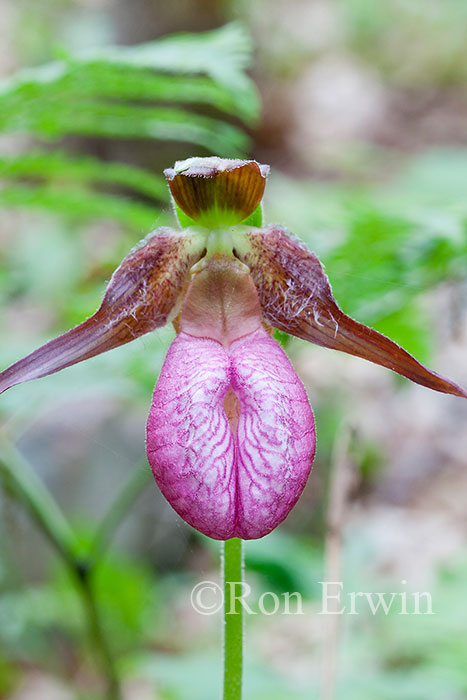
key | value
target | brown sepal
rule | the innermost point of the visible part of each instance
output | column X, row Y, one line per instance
column 296, row 297
column 140, row 297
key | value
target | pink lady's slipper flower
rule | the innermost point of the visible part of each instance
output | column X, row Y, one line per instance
column 230, row 433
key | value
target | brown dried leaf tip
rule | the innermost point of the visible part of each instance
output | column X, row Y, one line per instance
column 216, row 192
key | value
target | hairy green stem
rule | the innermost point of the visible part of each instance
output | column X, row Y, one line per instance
column 233, row 618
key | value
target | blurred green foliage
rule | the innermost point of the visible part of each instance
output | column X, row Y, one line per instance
column 150, row 91
column 412, row 657
column 385, row 245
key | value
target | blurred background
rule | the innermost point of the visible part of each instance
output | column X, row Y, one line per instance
column 360, row 108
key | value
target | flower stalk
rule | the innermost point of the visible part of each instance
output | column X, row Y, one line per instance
column 233, row 618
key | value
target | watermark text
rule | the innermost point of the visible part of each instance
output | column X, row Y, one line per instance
column 208, row 598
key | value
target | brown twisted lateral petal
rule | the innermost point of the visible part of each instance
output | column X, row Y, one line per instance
column 200, row 185
column 140, row 296
column 296, row 297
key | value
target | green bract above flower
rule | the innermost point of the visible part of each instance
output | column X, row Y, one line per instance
column 216, row 192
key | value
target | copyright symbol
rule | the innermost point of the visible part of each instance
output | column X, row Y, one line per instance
column 207, row 598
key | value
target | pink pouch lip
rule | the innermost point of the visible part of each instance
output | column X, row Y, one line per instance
column 225, row 482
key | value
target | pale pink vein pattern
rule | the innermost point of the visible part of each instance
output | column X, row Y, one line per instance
column 225, row 484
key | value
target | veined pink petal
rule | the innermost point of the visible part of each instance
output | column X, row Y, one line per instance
column 225, row 482
column 275, row 437
column 141, row 295
column 190, row 446
column 296, row 297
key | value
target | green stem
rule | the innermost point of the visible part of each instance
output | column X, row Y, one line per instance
column 131, row 490
column 85, row 582
column 233, row 619
column 25, row 486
